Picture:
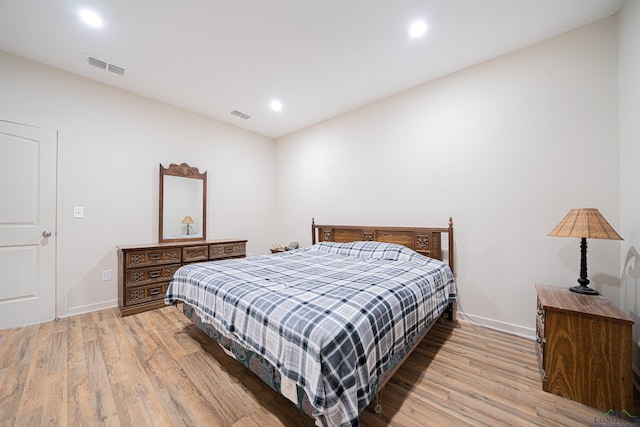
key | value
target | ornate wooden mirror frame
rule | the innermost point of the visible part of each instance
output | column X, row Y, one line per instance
column 183, row 204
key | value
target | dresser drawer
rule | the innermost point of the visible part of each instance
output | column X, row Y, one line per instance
column 541, row 364
column 148, row 275
column 153, row 257
column 540, row 341
column 142, row 294
column 227, row 250
column 195, row 253
column 540, row 323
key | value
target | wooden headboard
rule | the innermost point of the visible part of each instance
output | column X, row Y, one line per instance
column 424, row 240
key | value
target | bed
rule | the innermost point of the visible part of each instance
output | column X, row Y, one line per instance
column 329, row 324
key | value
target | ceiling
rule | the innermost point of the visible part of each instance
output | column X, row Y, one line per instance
column 320, row 58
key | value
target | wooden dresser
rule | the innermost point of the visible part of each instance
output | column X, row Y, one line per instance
column 144, row 271
column 584, row 346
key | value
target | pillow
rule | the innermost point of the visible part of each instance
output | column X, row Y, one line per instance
column 370, row 250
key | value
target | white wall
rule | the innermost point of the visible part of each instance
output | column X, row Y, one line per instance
column 111, row 143
column 629, row 105
column 506, row 148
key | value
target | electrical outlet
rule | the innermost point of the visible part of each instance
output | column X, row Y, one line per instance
column 78, row 212
column 106, row 275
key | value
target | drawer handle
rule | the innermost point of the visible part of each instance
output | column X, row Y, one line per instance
column 154, row 292
column 155, row 257
column 539, row 312
column 155, row 274
column 228, row 249
column 539, row 340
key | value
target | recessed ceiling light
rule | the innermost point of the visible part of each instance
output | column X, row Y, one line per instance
column 417, row 28
column 276, row 105
column 91, row 18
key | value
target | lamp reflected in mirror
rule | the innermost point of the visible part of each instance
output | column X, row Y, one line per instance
column 188, row 221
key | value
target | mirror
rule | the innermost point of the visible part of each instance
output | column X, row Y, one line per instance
column 183, row 203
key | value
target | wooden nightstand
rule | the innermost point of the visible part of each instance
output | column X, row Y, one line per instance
column 584, row 346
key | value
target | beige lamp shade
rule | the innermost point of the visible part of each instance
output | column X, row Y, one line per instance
column 585, row 223
column 187, row 220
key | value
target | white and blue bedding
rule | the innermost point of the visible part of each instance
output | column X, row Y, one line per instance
column 333, row 318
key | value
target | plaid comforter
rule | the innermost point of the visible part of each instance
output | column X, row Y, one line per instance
column 330, row 317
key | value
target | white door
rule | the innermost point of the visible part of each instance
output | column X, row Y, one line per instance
column 27, row 224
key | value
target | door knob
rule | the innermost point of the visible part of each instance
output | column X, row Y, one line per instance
column 46, row 233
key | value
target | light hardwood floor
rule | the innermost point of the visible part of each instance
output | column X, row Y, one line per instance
column 157, row 369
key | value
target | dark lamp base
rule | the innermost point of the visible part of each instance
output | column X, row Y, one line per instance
column 585, row 290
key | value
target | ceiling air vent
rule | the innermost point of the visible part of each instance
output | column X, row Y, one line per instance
column 96, row 63
column 105, row 66
column 115, row 69
column 240, row 114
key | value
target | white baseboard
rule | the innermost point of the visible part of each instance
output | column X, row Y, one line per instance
column 509, row 328
column 82, row 309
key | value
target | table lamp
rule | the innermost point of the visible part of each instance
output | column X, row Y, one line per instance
column 584, row 223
